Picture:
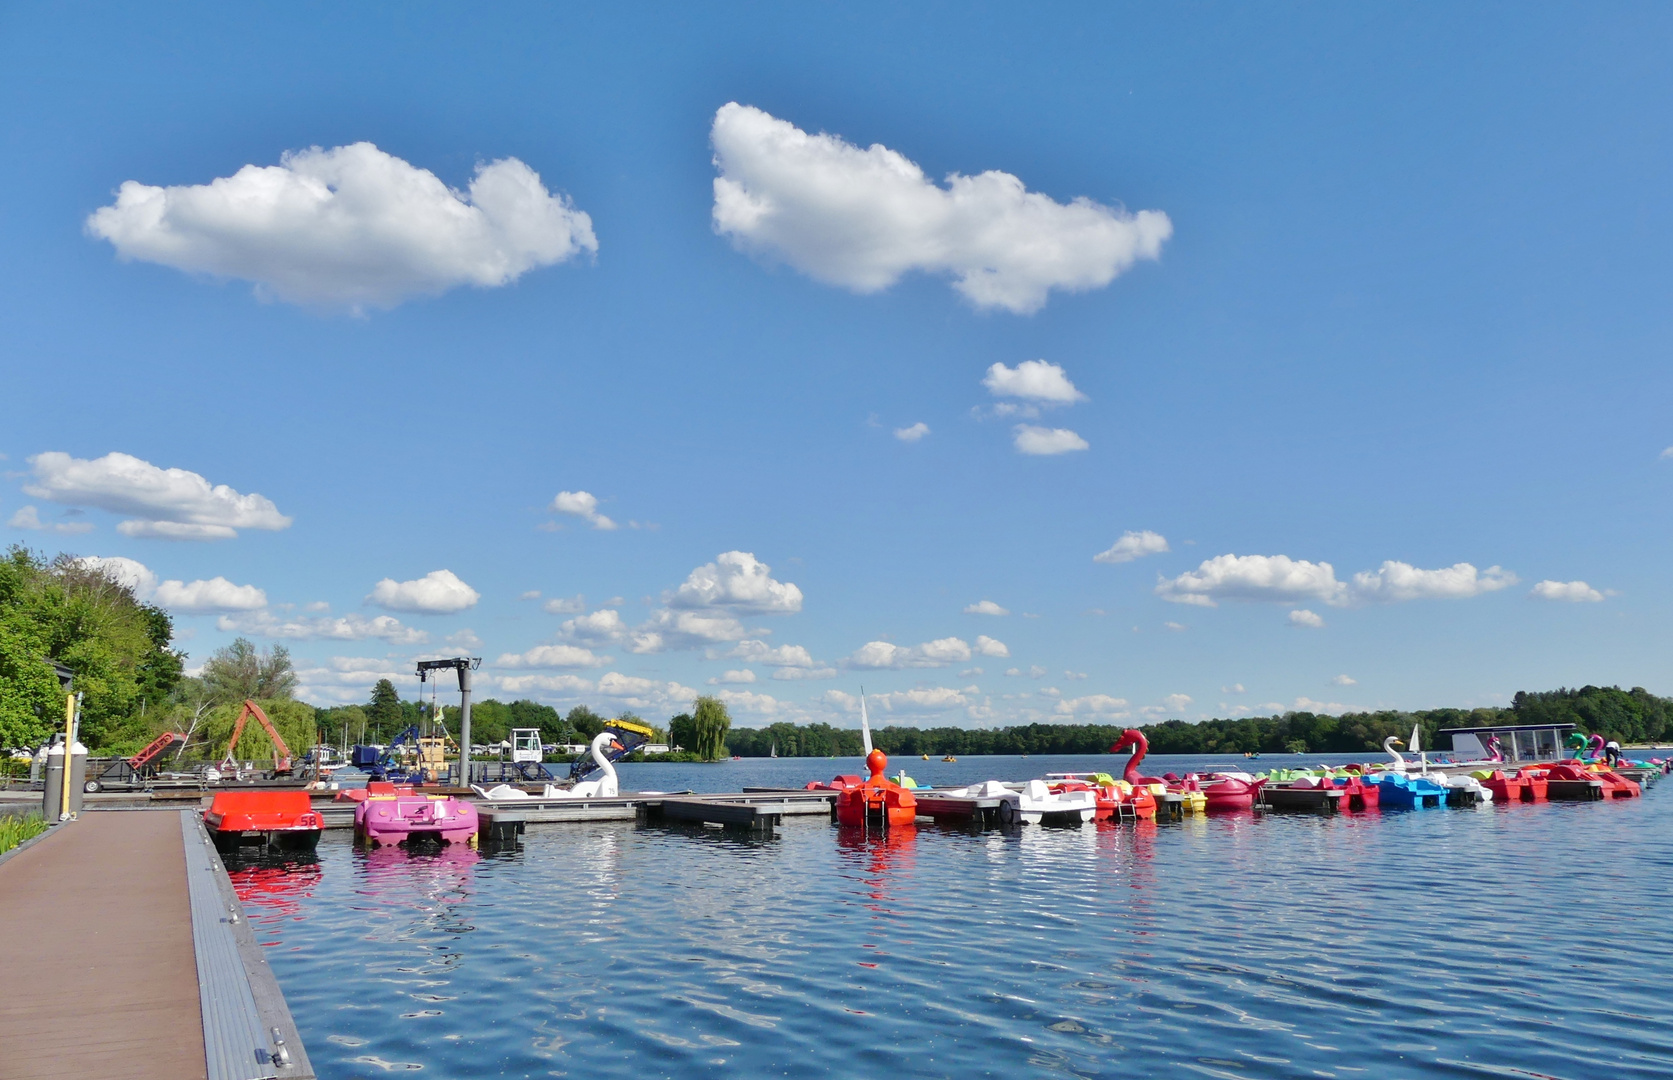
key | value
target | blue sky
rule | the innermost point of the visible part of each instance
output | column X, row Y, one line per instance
column 1407, row 317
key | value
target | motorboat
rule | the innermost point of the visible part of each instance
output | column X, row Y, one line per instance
column 276, row 820
column 394, row 819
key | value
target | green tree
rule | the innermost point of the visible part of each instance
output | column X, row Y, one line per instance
column 709, row 723
column 384, row 711
column 587, row 724
column 80, row 614
column 682, row 735
column 238, row 671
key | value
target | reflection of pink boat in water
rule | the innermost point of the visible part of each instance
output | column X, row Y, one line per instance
column 394, row 819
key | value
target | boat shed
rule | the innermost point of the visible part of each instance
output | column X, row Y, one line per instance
column 1520, row 742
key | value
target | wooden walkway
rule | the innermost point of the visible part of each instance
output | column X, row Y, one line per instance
column 123, row 943
column 96, row 934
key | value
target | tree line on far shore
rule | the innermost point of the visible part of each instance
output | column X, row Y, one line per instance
column 1630, row 716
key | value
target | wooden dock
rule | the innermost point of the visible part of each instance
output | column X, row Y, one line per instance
column 128, row 955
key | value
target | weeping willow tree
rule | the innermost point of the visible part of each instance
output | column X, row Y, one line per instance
column 709, row 723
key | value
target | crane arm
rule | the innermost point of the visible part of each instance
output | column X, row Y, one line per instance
column 281, row 752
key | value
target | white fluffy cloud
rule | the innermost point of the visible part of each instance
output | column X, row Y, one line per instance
column 562, row 685
column 558, row 605
column 757, row 651
column 1133, row 545
column 668, row 629
column 1043, row 442
column 351, row 627
column 645, row 694
column 349, row 227
column 344, row 679
column 1280, row 579
column 1577, row 592
column 552, row 656
column 1100, row 706
column 215, row 596
column 913, row 433
column 986, row 607
column 173, row 504
column 863, row 218
column 603, row 627
column 738, row 677
column 1309, row 619
column 918, row 700
column 1036, row 381
column 1402, row 581
column 440, row 592
column 937, row 653
column 738, row 581
column 749, row 701
column 581, row 504
column 27, row 517
column 130, row 572
column 1176, row 702
column 1254, row 577
column 1344, row 680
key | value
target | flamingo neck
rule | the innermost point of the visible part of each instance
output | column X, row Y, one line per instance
column 1140, row 747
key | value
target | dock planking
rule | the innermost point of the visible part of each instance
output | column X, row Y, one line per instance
column 103, row 979
column 108, row 977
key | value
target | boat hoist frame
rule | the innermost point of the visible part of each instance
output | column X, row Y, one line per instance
column 281, row 752
column 630, row 736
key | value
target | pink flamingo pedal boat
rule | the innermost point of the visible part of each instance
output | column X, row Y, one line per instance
column 393, row 819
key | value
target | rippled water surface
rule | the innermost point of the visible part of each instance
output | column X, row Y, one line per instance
column 1527, row 940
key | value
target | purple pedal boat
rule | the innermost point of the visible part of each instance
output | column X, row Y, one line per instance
column 391, row 819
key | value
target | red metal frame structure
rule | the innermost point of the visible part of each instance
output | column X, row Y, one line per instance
column 158, row 745
column 281, row 752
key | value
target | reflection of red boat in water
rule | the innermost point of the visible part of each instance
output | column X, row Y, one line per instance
column 275, row 889
column 877, row 801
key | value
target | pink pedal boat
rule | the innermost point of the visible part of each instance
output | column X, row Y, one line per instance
column 392, row 819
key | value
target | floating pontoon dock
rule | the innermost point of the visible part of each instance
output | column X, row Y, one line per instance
column 139, row 962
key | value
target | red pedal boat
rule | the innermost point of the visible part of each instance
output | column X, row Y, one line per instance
column 280, row 820
column 878, row 801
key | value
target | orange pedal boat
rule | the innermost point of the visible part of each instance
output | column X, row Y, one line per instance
column 877, row 801
column 281, row 820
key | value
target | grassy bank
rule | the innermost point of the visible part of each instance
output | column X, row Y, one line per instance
column 16, row 828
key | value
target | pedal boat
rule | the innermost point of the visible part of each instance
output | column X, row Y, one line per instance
column 1228, row 793
column 1191, row 798
column 878, row 801
column 273, row 820
column 1400, row 790
column 1115, row 799
column 395, row 819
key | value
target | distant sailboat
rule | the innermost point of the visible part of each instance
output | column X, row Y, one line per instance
column 775, row 751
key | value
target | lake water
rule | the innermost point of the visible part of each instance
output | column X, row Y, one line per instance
column 1519, row 941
